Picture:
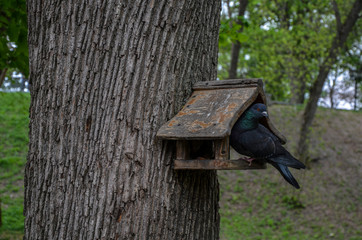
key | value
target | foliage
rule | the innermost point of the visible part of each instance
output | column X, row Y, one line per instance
column 14, row 119
column 13, row 35
column 284, row 42
column 230, row 32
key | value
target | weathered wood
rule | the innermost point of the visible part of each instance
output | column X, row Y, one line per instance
column 211, row 164
column 182, row 149
column 211, row 113
column 232, row 83
column 222, row 149
column 208, row 114
column 226, row 86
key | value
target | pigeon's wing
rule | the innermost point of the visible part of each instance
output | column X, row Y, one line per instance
column 287, row 159
column 281, row 155
column 258, row 143
column 266, row 131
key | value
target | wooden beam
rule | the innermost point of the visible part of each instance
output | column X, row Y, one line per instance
column 222, row 149
column 231, row 83
column 201, row 87
column 217, row 164
column 182, row 150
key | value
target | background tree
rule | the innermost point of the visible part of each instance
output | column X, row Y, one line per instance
column 13, row 37
column 231, row 37
column 236, row 44
column 105, row 75
column 283, row 41
column 352, row 62
column 342, row 32
column 293, row 45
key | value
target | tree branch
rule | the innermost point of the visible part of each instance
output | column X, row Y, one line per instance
column 338, row 17
column 229, row 12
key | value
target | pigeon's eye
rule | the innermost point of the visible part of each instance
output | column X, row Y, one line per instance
column 258, row 109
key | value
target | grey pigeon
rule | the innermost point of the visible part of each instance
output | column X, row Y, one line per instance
column 250, row 138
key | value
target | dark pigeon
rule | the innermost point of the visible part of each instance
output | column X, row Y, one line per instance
column 250, row 138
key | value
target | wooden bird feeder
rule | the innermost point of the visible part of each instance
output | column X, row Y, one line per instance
column 203, row 126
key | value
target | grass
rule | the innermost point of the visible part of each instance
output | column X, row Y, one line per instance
column 253, row 204
column 238, row 226
column 259, row 204
column 14, row 121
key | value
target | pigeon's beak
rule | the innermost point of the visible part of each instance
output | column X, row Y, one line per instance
column 265, row 114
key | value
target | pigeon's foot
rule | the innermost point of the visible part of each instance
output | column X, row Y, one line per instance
column 247, row 159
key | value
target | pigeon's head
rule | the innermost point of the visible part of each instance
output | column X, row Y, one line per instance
column 258, row 110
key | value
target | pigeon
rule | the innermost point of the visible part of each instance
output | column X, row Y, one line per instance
column 250, row 138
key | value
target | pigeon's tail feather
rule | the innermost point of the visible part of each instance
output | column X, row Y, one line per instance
column 287, row 175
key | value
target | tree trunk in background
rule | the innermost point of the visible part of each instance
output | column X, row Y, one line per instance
column 357, row 80
column 316, row 90
column 355, row 95
column 105, row 75
column 297, row 87
column 2, row 76
column 332, row 88
column 297, row 73
column 235, row 48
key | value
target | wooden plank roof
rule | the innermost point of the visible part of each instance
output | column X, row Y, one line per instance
column 213, row 109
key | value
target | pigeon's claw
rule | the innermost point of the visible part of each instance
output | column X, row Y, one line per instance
column 247, row 159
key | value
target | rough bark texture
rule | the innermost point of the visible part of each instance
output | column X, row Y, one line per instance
column 105, row 75
column 316, row 89
column 235, row 47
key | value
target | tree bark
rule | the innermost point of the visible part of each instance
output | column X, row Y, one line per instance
column 235, row 47
column 105, row 75
column 316, row 89
column 2, row 76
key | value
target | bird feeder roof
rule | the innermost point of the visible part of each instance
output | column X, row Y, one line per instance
column 213, row 109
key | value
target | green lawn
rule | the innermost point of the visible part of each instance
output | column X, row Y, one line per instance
column 14, row 121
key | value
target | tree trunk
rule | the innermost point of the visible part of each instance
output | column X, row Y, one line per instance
column 2, row 76
column 355, row 95
column 297, row 87
column 357, row 79
column 104, row 77
column 235, row 47
column 332, row 88
column 298, row 71
column 316, row 90
column 331, row 95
